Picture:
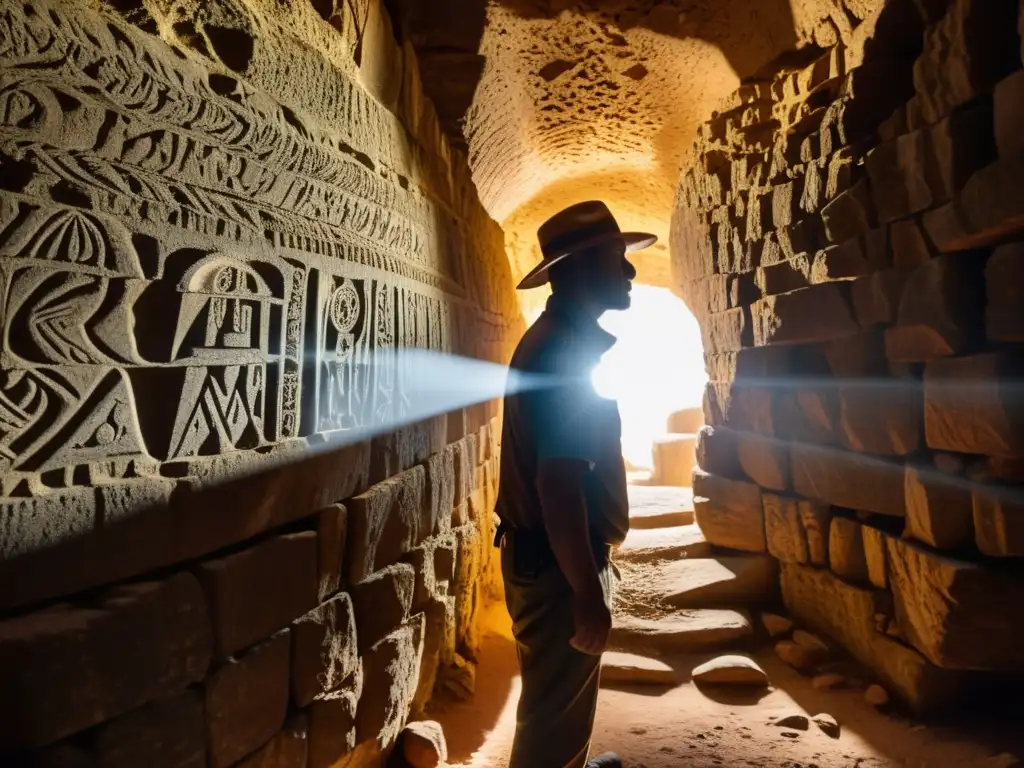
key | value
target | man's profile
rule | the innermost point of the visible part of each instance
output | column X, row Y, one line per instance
column 562, row 497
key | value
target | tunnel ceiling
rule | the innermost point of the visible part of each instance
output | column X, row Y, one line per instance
column 560, row 101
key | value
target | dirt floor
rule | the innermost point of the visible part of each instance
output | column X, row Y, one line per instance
column 651, row 727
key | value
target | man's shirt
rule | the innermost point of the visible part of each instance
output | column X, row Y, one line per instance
column 559, row 415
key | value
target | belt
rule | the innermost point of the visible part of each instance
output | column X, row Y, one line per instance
column 536, row 541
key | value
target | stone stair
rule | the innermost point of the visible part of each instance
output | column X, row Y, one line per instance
column 675, row 453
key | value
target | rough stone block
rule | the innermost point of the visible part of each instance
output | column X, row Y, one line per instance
column 850, row 214
column 440, row 488
column 382, row 602
column 881, row 415
column 973, row 404
column 818, row 313
column 1009, row 115
column 876, row 297
column 989, row 210
column 875, row 555
column 909, row 248
column 784, row 529
column 67, row 668
column 941, row 311
column 464, row 459
column 324, row 651
column 861, row 356
column 727, row 331
column 846, row 479
column 166, row 733
column 246, row 701
column 331, row 529
column 1004, row 288
column 288, row 749
column 955, row 612
column 259, row 590
column 897, row 173
column 465, row 586
column 840, row 262
column 960, row 145
column 998, row 513
column 765, row 460
column 846, row 550
column 844, row 612
column 938, row 508
column 392, row 670
column 785, row 276
column 729, row 512
column 388, row 520
column 816, row 520
column 716, row 451
column 332, row 729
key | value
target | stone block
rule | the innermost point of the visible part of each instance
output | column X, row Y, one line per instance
column 391, row 668
column 388, row 520
column 464, row 462
column 716, row 451
column 332, row 729
column 166, row 733
column 959, row 145
column 846, row 550
column 784, row 529
column 727, row 331
column 686, row 421
column 69, row 668
column 440, row 488
column 846, row 479
column 729, row 512
column 909, row 247
column 840, row 262
column 816, row 520
column 1004, row 288
column 259, row 590
column 876, row 297
column 288, row 749
column 845, row 612
column 955, row 612
column 861, row 356
column 881, row 415
column 246, row 700
column 941, row 311
column 674, row 459
column 785, row 276
column 850, row 214
column 382, row 602
column 331, row 528
column 765, row 460
column 818, row 313
column 897, row 172
column 989, row 211
column 965, row 54
column 324, row 651
column 998, row 513
column 973, row 404
column 466, row 586
column 875, row 555
column 1009, row 115
column 938, row 508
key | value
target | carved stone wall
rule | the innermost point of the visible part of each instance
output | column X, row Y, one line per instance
column 849, row 238
column 214, row 217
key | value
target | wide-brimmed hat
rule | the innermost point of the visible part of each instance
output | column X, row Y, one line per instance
column 575, row 229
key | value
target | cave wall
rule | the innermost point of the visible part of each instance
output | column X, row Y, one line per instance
column 850, row 238
column 212, row 216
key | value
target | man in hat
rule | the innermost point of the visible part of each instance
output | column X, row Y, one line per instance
column 562, row 498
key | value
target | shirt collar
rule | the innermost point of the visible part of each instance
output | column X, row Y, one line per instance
column 595, row 338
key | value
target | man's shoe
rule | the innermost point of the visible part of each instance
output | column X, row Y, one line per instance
column 607, row 760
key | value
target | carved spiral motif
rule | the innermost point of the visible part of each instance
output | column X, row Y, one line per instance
column 345, row 307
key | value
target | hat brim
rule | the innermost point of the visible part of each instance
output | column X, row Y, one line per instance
column 539, row 275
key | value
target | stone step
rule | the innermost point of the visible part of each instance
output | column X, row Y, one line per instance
column 695, row 630
column 619, row 668
column 653, row 506
column 642, row 545
column 675, row 456
column 715, row 581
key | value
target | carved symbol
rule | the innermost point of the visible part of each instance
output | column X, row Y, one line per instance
column 345, row 307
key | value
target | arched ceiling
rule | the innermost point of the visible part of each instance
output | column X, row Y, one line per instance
column 582, row 99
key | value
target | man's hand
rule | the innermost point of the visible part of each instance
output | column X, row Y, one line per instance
column 593, row 622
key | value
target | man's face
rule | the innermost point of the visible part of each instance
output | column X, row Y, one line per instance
column 612, row 276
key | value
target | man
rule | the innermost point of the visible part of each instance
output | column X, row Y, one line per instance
column 562, row 499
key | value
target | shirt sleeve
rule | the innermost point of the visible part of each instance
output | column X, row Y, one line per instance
column 563, row 421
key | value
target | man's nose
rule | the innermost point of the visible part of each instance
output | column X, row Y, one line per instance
column 629, row 269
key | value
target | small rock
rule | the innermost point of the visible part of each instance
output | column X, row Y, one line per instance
column 811, row 642
column 827, row 681
column 791, row 734
column 796, row 720
column 423, row 744
column 730, row 670
column 828, row 724
column 876, row 696
column 630, row 668
column 776, row 625
column 796, row 656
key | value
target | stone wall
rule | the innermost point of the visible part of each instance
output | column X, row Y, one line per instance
column 213, row 218
column 849, row 237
